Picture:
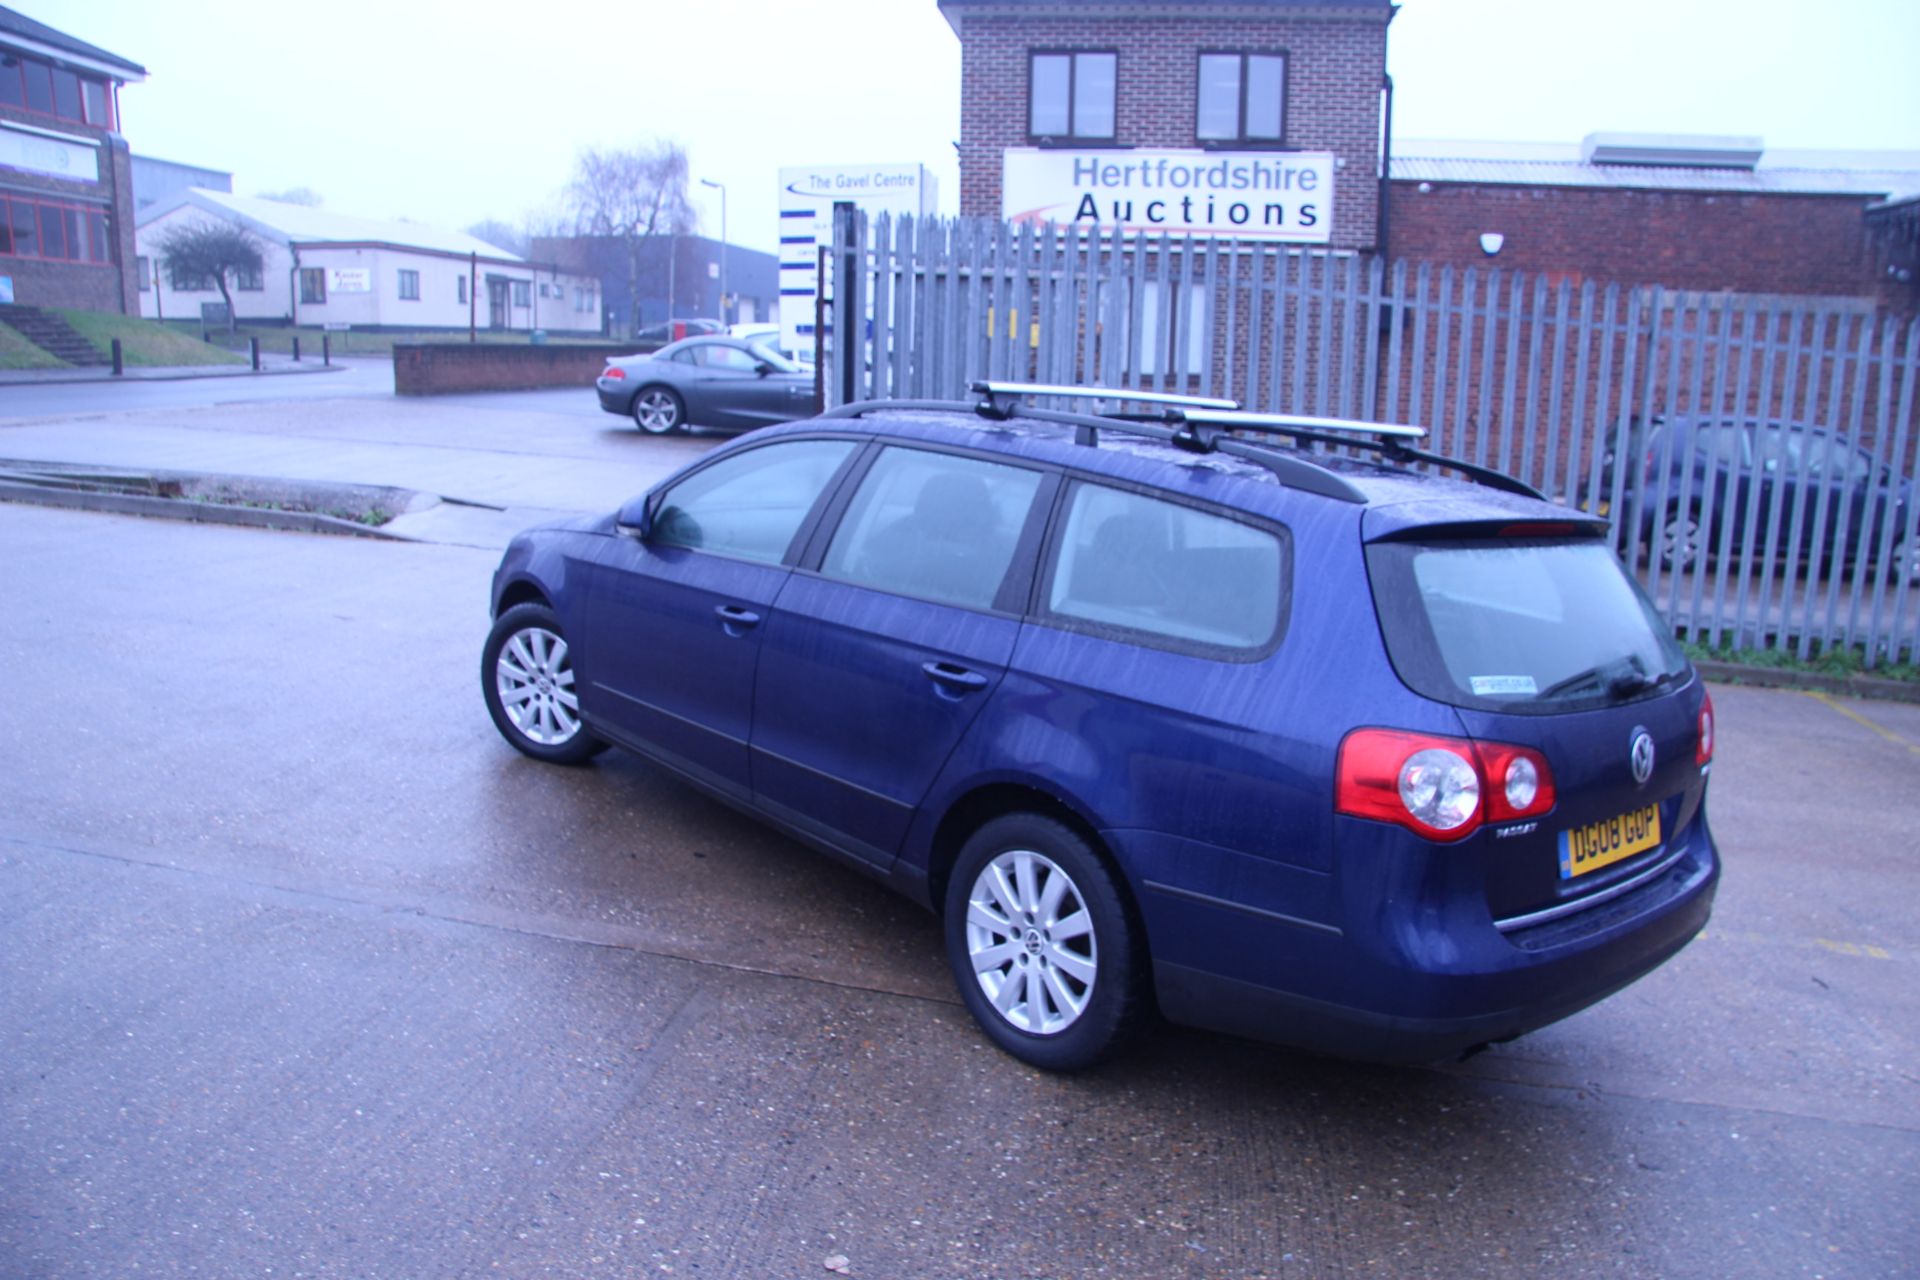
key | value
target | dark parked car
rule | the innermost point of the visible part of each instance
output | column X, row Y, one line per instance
column 1795, row 493
column 1326, row 751
column 673, row 330
column 707, row 382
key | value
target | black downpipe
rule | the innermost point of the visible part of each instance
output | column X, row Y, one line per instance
column 1386, row 175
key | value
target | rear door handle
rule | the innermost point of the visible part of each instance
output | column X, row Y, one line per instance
column 735, row 620
column 958, row 679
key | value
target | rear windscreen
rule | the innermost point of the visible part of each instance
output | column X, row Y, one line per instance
column 1520, row 626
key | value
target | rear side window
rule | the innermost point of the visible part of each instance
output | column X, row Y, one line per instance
column 1129, row 562
column 1529, row 626
column 933, row 525
column 751, row 504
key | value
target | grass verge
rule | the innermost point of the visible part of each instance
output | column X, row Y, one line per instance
column 17, row 353
column 144, row 343
column 1838, row 662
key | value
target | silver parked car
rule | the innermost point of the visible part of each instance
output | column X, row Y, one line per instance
column 706, row 382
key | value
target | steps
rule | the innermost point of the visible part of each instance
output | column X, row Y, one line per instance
column 51, row 334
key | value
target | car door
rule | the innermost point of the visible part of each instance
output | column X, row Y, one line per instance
column 876, row 661
column 734, row 389
column 676, row 615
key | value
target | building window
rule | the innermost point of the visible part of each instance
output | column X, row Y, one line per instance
column 313, row 284
column 1242, row 97
column 33, row 84
column 143, row 270
column 409, row 286
column 522, row 293
column 1071, row 95
column 463, row 289
column 184, row 283
column 248, row 281
column 60, row 232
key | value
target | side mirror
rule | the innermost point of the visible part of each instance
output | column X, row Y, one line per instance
column 636, row 519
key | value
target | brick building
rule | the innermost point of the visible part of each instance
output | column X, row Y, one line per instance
column 66, row 179
column 1706, row 214
column 1220, row 117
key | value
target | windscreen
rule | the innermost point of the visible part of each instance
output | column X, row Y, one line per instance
column 1530, row 626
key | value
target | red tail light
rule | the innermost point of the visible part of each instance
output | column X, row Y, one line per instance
column 613, row 371
column 1440, row 788
column 1703, row 748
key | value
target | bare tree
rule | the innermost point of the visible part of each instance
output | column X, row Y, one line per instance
column 212, row 251
column 500, row 235
column 632, row 194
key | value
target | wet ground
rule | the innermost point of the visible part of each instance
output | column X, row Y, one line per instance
column 307, row 973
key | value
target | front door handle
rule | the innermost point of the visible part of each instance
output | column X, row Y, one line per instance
column 956, row 679
column 735, row 620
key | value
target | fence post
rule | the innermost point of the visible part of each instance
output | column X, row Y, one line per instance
column 119, row 359
column 326, row 349
column 296, row 348
column 253, row 348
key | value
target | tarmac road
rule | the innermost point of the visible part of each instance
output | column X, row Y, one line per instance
column 307, row 973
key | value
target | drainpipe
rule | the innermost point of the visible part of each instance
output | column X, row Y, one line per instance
column 293, row 286
column 1386, row 173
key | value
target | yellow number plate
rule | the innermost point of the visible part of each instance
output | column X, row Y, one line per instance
column 1599, row 844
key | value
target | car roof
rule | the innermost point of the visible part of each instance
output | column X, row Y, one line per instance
column 1391, row 498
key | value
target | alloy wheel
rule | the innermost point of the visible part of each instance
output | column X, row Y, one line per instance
column 1030, row 940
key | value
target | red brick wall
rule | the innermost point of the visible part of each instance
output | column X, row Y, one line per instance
column 1682, row 239
column 451, row 368
column 1335, row 66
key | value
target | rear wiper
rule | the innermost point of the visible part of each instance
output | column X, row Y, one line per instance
column 1621, row 680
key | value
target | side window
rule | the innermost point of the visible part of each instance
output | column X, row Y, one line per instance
column 685, row 355
column 1129, row 561
column 751, row 504
column 933, row 525
column 715, row 356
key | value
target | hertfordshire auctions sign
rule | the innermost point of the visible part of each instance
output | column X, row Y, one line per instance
column 1253, row 195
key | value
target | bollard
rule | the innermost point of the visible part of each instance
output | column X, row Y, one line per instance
column 296, row 348
column 253, row 345
column 326, row 349
column 119, row 360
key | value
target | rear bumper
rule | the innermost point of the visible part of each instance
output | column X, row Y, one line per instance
column 1349, row 997
column 615, row 400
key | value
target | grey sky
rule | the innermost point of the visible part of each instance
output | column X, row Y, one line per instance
column 451, row 113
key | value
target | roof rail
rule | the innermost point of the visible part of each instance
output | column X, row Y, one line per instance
column 996, row 392
column 1207, row 424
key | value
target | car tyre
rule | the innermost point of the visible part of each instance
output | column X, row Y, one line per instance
column 526, row 673
column 1043, row 944
column 659, row 411
column 1680, row 541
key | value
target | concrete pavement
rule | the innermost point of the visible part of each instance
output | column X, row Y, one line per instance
column 500, row 462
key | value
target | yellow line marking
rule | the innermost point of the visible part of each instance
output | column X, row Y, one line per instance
column 1862, row 721
column 1858, row 950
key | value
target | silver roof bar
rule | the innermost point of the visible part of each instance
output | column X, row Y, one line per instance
column 993, row 390
column 1294, row 424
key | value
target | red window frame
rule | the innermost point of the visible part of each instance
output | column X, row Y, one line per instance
column 78, row 231
column 30, row 73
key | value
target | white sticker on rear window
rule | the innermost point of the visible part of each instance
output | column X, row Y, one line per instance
column 1494, row 686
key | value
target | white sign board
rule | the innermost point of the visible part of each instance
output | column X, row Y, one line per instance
column 349, row 280
column 807, row 197
column 1253, row 195
column 38, row 152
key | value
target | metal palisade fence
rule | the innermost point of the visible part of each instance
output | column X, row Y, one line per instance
column 1754, row 455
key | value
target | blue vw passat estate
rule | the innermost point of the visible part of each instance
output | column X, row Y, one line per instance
column 1179, row 711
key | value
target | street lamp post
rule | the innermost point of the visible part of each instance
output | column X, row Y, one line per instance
column 721, row 187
